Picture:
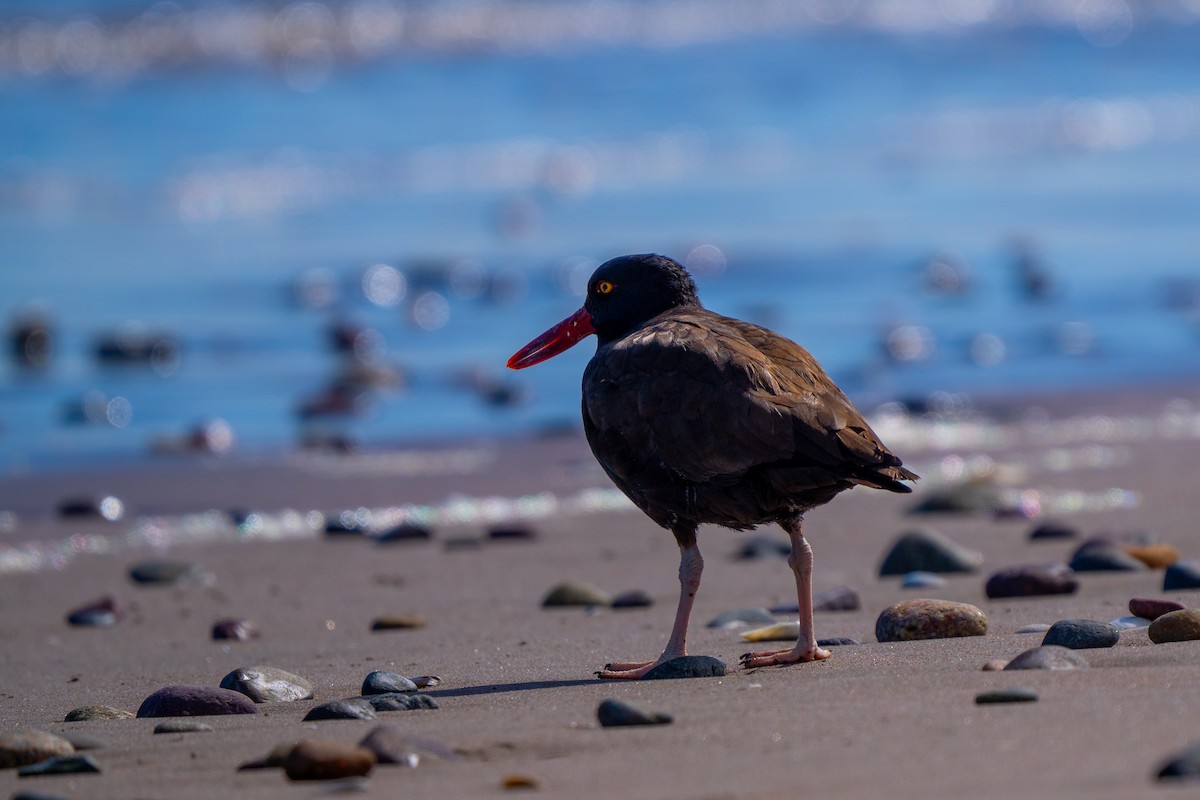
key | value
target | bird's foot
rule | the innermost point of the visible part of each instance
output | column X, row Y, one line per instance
column 793, row 655
column 627, row 670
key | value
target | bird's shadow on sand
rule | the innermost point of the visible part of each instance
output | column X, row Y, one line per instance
column 521, row 686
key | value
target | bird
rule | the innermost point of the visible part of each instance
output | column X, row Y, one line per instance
column 700, row 418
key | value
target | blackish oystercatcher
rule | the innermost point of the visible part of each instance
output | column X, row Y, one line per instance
column 701, row 418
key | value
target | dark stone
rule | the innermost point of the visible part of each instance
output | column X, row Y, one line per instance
column 182, row 726
column 742, row 616
column 398, row 622
column 926, row 550
column 1053, row 531
column 313, row 760
column 634, row 598
column 1032, row 580
column 108, row 508
column 1184, row 764
column 1081, row 634
column 380, row 682
column 759, row 547
column 1048, row 657
column 61, row 765
column 337, row 529
column 1099, row 555
column 575, row 593
column 1182, row 575
column 88, row 713
column 406, row 532
column 617, row 713
column 687, row 667
column 195, row 701
column 235, row 630
column 511, row 533
column 1016, row 694
column 157, row 572
column 837, row 641
column 970, row 497
column 350, row 708
column 910, row 620
column 390, row 746
column 101, row 613
column 839, row 598
column 397, row 701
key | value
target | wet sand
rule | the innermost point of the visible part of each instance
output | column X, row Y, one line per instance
column 518, row 695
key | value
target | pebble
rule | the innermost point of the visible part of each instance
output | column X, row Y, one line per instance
column 760, row 547
column 1098, row 555
column 839, row 598
column 1154, row 556
column 1035, row 627
column 1176, row 626
column 1015, row 694
column 967, row 497
column 1182, row 575
column 687, row 667
column 183, row 726
column 836, row 641
column 1081, row 634
column 396, row 701
column 511, row 533
column 777, row 632
column 195, row 701
column 398, row 622
column 995, row 665
column 235, row 630
column 425, row 681
column 922, row 580
column 61, row 765
column 268, row 684
column 406, row 532
column 1053, row 531
column 929, row 619
column 576, row 593
column 30, row 747
column 634, row 598
column 519, row 781
column 315, row 760
column 1048, row 657
column 350, row 708
column 1129, row 623
column 926, row 550
column 1152, row 609
column 99, row 613
column 108, row 508
column 390, row 747
column 157, row 572
column 337, row 528
column 381, row 682
column 616, row 713
column 1031, row 581
column 738, row 617
column 88, row 713
column 1184, row 764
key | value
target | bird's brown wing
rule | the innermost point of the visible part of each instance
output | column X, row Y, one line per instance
column 712, row 397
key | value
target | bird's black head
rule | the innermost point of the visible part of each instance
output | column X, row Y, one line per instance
column 626, row 291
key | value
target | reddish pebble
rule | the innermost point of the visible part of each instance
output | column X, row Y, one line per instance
column 1152, row 609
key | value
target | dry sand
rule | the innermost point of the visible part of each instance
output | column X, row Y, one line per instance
column 518, row 696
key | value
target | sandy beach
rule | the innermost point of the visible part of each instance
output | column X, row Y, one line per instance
column 517, row 696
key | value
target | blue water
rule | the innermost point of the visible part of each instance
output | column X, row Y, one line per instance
column 185, row 165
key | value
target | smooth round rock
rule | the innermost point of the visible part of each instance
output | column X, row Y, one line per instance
column 1184, row 764
column 398, row 622
column 1031, row 581
column 268, row 684
column 737, row 617
column 183, row 726
column 30, row 747
column 99, row 613
column 74, row 764
column 1048, row 657
column 1015, row 694
column 926, row 550
column 1176, row 626
column 911, row 620
column 1103, row 556
column 575, row 593
column 88, row 713
column 618, row 713
column 1182, row 575
column 350, row 708
column 1155, row 556
column 195, row 701
column 406, row 532
column 839, row 598
column 234, row 630
column 315, row 760
column 390, row 746
column 1151, row 608
column 158, row 572
column 511, row 533
column 922, row 580
column 382, row 682
column 687, row 667
column 396, row 701
column 1081, row 634
column 1053, row 531
column 837, row 641
column 634, row 598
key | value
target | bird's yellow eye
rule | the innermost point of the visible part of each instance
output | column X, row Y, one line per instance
column 604, row 287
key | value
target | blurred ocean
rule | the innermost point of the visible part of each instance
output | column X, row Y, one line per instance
column 329, row 223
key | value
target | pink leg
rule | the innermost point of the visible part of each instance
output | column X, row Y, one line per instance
column 801, row 561
column 690, row 567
